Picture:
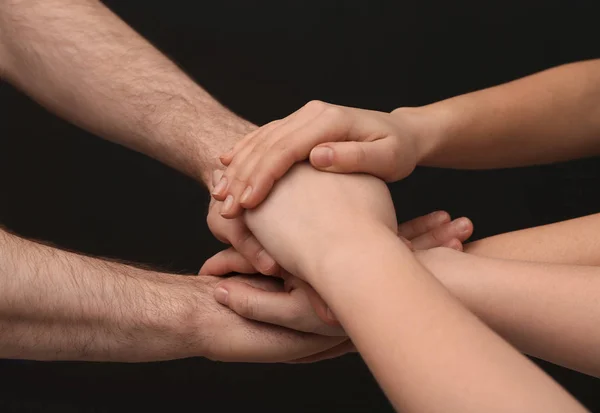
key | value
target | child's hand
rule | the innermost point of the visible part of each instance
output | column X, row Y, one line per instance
column 297, row 305
column 338, row 139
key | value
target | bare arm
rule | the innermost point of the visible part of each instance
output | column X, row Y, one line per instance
column 546, row 117
column 569, row 242
column 549, row 311
column 426, row 350
column 81, row 61
column 57, row 305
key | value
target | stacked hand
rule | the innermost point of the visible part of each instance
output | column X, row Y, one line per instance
column 336, row 139
column 293, row 303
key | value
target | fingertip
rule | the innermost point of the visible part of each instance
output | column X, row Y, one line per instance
column 221, row 295
column 226, row 158
column 464, row 226
column 266, row 264
column 321, row 157
column 440, row 217
column 219, row 191
column 454, row 244
column 230, row 208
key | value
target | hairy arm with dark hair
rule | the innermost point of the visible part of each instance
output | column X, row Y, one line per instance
column 79, row 60
column 57, row 305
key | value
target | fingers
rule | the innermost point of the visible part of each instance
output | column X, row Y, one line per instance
column 379, row 158
column 316, row 302
column 288, row 148
column 454, row 243
column 225, row 262
column 447, row 234
column 278, row 308
column 261, row 160
column 422, row 225
column 236, row 233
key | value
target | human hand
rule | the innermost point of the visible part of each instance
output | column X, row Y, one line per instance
column 236, row 233
column 215, row 332
column 337, row 138
column 310, row 214
column 294, row 305
column 298, row 303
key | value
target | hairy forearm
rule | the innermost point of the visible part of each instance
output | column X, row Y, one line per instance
column 549, row 311
column 568, row 242
column 406, row 326
column 81, row 61
column 547, row 117
column 56, row 305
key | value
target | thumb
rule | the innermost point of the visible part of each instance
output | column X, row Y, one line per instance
column 378, row 158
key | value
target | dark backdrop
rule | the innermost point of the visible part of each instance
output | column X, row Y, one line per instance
column 264, row 59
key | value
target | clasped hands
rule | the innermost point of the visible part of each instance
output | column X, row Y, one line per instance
column 309, row 216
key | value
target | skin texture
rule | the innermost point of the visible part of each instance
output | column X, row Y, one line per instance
column 548, row 117
column 80, row 61
column 298, row 302
column 415, row 325
column 549, row 311
column 83, row 308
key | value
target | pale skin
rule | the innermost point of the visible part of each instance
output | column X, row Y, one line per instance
column 414, row 327
column 521, row 123
column 547, row 117
column 83, row 63
column 299, row 303
column 538, row 294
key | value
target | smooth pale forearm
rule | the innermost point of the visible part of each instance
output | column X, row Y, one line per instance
column 547, row 117
column 427, row 351
column 81, row 61
column 568, row 242
column 56, row 305
column 549, row 311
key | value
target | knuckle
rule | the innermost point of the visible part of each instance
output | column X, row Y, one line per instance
column 246, row 306
column 334, row 113
column 316, row 105
column 358, row 156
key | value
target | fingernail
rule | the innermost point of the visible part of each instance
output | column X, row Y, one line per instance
column 462, row 225
column 221, row 295
column 265, row 262
column 227, row 204
column 215, row 178
column 220, row 187
column 246, row 194
column 330, row 315
column 322, row 157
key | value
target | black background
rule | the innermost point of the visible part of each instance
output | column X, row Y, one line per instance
column 264, row 59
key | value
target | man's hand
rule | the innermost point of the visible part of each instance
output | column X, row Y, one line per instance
column 298, row 306
column 338, row 139
column 225, row 336
column 57, row 305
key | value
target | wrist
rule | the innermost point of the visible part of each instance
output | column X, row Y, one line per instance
column 432, row 125
column 178, row 317
column 352, row 254
column 226, row 129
